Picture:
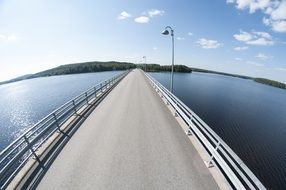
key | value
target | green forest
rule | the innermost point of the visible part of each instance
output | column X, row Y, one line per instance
column 164, row 68
column 97, row 66
column 270, row 82
column 86, row 67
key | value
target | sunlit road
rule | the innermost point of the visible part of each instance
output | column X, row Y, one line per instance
column 130, row 141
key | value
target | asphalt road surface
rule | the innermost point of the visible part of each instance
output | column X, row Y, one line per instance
column 130, row 141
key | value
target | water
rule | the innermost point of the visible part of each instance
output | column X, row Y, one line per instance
column 24, row 103
column 250, row 117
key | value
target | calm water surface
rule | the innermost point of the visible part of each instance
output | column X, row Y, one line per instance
column 24, row 103
column 250, row 117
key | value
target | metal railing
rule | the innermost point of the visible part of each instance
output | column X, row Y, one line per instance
column 16, row 155
column 220, row 154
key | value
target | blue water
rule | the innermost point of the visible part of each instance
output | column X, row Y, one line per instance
column 250, row 117
column 24, row 103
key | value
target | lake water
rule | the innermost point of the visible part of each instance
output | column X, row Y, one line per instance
column 24, row 103
column 250, row 117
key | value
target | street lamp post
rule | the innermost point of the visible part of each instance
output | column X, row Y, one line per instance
column 166, row 32
column 145, row 58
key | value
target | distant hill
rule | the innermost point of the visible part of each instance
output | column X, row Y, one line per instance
column 17, row 79
column 259, row 80
column 220, row 73
column 96, row 66
column 164, row 68
column 270, row 82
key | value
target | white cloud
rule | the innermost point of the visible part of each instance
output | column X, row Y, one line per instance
column 238, row 59
column 275, row 11
column 240, row 48
column 123, row 15
column 280, row 69
column 155, row 12
column 8, row 38
column 260, row 42
column 180, row 38
column 142, row 19
column 255, row 63
column 279, row 26
column 263, row 34
column 280, row 12
column 254, row 38
column 190, row 33
column 243, row 36
column 263, row 56
column 155, row 48
column 208, row 44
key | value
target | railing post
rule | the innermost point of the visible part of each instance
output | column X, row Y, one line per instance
column 101, row 87
column 86, row 99
column 210, row 162
column 74, row 107
column 56, row 119
column 189, row 131
column 94, row 89
column 31, row 148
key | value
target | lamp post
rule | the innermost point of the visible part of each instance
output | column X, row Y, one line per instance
column 144, row 57
column 167, row 31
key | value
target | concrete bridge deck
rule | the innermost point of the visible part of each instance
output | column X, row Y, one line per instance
column 130, row 141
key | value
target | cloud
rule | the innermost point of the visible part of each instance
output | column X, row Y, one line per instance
column 155, row 12
column 7, row 38
column 123, row 15
column 155, row 48
column 274, row 10
column 261, row 42
column 238, row 59
column 263, row 56
column 280, row 69
column 277, row 26
column 180, row 38
column 255, row 63
column 142, row 19
column 240, row 48
column 190, row 33
column 254, row 38
column 229, row 1
column 147, row 15
column 243, row 36
column 208, row 44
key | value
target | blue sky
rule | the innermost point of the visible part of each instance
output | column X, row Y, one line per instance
column 245, row 37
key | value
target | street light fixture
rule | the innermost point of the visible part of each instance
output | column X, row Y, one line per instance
column 167, row 31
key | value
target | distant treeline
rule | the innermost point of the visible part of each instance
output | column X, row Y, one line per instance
column 97, row 66
column 164, row 68
column 260, row 80
column 86, row 67
column 270, row 82
column 220, row 73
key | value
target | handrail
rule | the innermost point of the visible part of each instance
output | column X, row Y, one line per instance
column 221, row 155
column 14, row 156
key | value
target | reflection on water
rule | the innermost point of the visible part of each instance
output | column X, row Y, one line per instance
column 24, row 103
column 249, row 116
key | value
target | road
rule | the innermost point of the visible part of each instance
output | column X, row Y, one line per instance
column 130, row 141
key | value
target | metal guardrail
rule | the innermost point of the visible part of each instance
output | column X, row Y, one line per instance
column 14, row 157
column 221, row 155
